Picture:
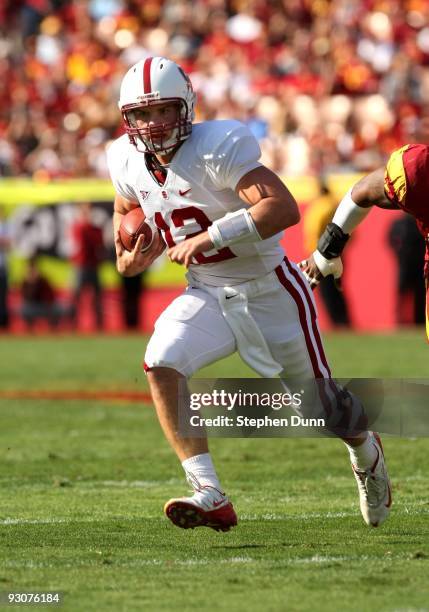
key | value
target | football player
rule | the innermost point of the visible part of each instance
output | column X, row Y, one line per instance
column 402, row 184
column 221, row 214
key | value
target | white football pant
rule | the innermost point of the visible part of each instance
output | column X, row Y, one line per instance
column 192, row 332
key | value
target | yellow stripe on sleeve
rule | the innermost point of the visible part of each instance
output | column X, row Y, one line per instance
column 395, row 177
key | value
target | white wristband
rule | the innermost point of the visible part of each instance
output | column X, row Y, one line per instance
column 348, row 214
column 233, row 227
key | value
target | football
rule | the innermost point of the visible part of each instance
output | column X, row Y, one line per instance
column 134, row 224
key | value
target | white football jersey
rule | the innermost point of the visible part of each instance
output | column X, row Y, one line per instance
column 199, row 189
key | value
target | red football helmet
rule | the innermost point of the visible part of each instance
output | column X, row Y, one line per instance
column 157, row 80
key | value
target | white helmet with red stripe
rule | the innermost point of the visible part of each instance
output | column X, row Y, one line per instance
column 152, row 81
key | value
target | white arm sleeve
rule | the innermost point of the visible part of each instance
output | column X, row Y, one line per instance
column 234, row 156
column 348, row 214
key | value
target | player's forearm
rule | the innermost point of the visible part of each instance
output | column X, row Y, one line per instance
column 272, row 207
column 369, row 190
column 358, row 201
column 121, row 207
column 117, row 218
column 263, row 220
column 272, row 216
column 351, row 211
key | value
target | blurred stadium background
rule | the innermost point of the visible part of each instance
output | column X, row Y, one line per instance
column 329, row 88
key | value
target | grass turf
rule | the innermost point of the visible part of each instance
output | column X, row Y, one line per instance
column 83, row 485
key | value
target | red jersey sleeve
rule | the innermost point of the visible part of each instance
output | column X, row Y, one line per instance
column 406, row 182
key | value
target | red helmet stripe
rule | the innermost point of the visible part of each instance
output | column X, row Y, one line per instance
column 147, row 86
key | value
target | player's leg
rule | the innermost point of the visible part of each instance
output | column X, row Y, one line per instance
column 98, row 297
column 190, row 334
column 4, row 311
column 291, row 330
column 79, row 283
column 164, row 383
column 28, row 313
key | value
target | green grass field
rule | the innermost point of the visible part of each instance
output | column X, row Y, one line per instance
column 83, row 484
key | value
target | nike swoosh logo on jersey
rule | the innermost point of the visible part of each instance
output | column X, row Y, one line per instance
column 229, row 297
column 182, row 193
column 218, row 503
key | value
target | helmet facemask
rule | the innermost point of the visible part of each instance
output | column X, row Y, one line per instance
column 162, row 137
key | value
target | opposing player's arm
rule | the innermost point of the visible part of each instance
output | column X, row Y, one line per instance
column 369, row 191
column 352, row 210
column 131, row 263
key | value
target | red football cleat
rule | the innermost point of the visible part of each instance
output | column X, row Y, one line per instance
column 208, row 507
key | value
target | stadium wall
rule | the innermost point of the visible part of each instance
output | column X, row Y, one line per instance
column 369, row 279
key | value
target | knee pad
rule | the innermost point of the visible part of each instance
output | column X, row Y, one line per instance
column 347, row 417
column 166, row 350
column 189, row 334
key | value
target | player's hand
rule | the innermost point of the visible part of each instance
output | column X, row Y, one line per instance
column 131, row 263
column 311, row 272
column 314, row 272
column 183, row 253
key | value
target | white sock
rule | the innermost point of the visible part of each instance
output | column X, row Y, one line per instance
column 200, row 471
column 363, row 456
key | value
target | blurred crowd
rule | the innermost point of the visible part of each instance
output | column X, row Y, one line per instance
column 325, row 85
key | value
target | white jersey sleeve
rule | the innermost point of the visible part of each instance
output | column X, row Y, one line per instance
column 117, row 161
column 234, row 153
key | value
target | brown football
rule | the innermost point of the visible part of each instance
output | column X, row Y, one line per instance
column 132, row 225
